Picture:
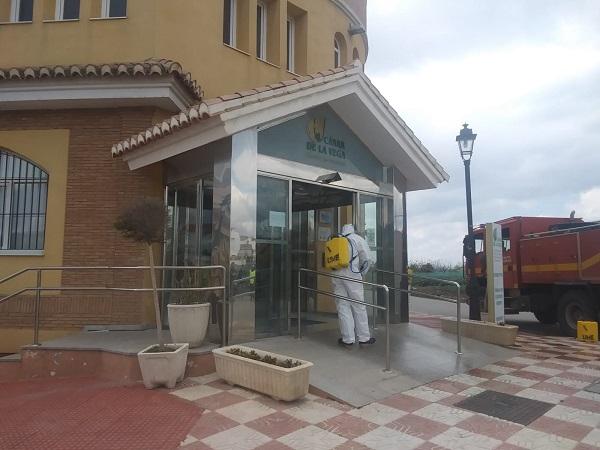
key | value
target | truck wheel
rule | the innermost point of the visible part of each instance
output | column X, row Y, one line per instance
column 573, row 306
column 547, row 317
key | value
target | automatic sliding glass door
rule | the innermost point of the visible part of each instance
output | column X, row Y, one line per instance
column 272, row 257
column 375, row 224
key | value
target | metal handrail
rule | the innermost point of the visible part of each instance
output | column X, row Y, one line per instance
column 450, row 282
column 386, row 291
column 39, row 288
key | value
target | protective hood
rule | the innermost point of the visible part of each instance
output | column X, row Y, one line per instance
column 347, row 229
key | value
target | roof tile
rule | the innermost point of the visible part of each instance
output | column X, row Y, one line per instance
column 228, row 97
column 261, row 89
column 215, row 106
column 150, row 67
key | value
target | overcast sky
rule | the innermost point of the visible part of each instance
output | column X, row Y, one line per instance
column 525, row 74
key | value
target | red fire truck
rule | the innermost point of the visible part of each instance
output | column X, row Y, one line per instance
column 551, row 268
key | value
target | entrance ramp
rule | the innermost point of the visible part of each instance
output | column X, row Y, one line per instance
column 419, row 355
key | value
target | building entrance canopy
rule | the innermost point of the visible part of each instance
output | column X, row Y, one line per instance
column 282, row 169
column 346, row 90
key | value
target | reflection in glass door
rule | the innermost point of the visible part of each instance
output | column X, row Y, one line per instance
column 272, row 259
column 189, row 229
column 375, row 224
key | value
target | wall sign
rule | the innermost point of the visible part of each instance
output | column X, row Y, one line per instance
column 321, row 139
column 322, row 143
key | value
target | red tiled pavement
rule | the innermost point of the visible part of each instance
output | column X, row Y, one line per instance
column 77, row 414
column 91, row 414
column 551, row 369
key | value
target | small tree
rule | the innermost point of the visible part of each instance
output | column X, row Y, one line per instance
column 144, row 221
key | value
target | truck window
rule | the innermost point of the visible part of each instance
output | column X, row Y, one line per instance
column 506, row 239
column 479, row 244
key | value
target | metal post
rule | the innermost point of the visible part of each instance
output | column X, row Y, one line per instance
column 474, row 306
column 458, row 318
column 388, row 364
column 374, row 291
column 38, row 299
column 224, row 312
column 299, row 305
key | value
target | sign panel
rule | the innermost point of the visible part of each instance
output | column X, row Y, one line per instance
column 320, row 138
column 495, row 272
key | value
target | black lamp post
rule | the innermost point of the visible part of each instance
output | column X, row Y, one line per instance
column 466, row 141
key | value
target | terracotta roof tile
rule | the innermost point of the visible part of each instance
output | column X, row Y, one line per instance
column 276, row 85
column 228, row 97
column 213, row 101
column 215, row 106
column 304, row 78
column 262, row 89
column 150, row 67
column 248, row 92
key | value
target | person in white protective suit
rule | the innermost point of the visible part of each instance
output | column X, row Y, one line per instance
column 353, row 317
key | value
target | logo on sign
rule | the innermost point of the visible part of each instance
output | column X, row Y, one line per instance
column 320, row 142
column 316, row 129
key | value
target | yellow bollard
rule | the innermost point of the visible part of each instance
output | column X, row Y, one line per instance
column 587, row 331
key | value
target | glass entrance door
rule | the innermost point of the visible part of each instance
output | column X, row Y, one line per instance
column 318, row 213
column 294, row 220
column 375, row 224
column 189, row 230
column 272, row 257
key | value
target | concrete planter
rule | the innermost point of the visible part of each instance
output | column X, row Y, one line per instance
column 188, row 323
column 277, row 382
column 164, row 368
column 482, row 331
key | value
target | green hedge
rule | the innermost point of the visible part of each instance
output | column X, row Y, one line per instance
column 455, row 275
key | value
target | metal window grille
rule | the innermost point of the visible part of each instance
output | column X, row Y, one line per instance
column 23, row 200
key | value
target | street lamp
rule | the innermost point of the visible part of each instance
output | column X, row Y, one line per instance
column 466, row 141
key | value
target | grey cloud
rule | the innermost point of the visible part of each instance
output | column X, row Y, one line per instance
column 447, row 29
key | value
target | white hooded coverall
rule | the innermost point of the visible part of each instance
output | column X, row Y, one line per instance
column 353, row 316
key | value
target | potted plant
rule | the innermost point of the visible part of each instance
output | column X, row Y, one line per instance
column 278, row 376
column 189, row 312
column 160, row 364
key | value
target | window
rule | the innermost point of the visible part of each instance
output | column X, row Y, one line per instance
column 291, row 43
column 261, row 30
column 337, row 54
column 355, row 54
column 67, row 9
column 23, row 196
column 21, row 10
column 506, row 239
column 114, row 8
column 229, row 22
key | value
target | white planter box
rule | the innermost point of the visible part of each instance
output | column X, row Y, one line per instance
column 164, row 368
column 188, row 323
column 277, row 382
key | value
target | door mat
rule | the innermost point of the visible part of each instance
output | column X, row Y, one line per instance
column 294, row 322
column 594, row 387
column 504, row 406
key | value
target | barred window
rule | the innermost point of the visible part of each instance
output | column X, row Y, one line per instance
column 23, row 199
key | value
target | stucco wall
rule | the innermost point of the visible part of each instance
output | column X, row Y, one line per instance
column 187, row 31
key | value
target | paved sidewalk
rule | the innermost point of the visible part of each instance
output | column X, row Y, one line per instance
column 87, row 413
column 550, row 369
